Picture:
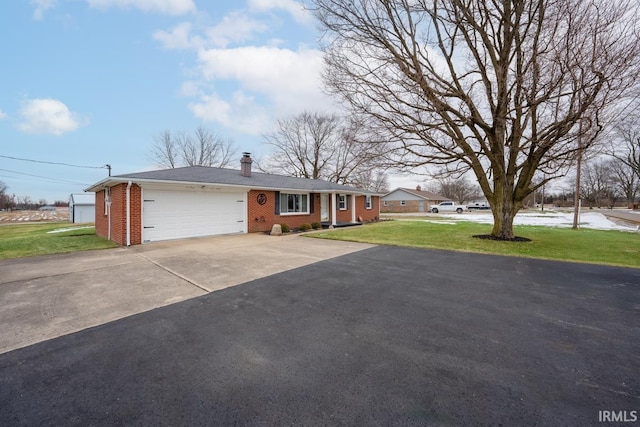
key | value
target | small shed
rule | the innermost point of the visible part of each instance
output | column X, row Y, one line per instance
column 82, row 208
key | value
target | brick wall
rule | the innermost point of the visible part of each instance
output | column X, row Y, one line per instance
column 368, row 215
column 135, row 204
column 410, row 206
column 119, row 214
column 263, row 217
column 101, row 220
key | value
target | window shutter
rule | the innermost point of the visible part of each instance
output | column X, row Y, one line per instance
column 277, row 195
column 311, row 197
column 347, row 201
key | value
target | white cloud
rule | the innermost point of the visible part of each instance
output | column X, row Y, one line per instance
column 40, row 7
column 284, row 81
column 240, row 113
column 266, row 69
column 169, row 7
column 189, row 88
column 47, row 116
column 3, row 115
column 293, row 7
column 235, row 27
column 179, row 37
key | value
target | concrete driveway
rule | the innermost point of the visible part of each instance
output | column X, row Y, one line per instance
column 46, row 297
column 383, row 336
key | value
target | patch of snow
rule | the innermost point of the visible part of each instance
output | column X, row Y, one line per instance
column 440, row 222
column 592, row 220
column 62, row 230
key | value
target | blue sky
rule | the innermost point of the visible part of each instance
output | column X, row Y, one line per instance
column 91, row 82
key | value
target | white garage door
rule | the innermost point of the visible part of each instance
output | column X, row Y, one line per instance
column 181, row 214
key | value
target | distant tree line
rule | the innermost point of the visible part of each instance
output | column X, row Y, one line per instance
column 14, row 202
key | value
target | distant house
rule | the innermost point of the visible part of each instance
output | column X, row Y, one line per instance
column 408, row 200
column 47, row 208
column 82, row 208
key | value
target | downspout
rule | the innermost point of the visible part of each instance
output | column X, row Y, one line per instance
column 334, row 209
column 108, row 201
column 129, row 213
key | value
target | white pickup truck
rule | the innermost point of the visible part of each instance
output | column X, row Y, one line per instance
column 448, row 206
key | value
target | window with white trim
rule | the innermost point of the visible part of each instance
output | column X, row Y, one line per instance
column 368, row 201
column 292, row 203
column 384, row 203
column 403, row 202
column 342, row 202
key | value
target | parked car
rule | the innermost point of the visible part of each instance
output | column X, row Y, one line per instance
column 478, row 206
column 448, row 206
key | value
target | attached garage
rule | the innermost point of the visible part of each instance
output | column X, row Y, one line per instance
column 178, row 214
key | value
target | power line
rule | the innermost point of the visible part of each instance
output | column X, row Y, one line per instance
column 55, row 163
column 46, row 177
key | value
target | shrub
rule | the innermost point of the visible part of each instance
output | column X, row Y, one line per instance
column 305, row 227
column 285, row 228
column 316, row 225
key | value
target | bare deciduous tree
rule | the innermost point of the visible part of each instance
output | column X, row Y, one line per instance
column 370, row 179
column 203, row 148
column 495, row 87
column 5, row 199
column 627, row 149
column 321, row 146
column 626, row 179
column 598, row 185
column 457, row 189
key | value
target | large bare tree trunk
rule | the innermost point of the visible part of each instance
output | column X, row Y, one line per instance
column 493, row 87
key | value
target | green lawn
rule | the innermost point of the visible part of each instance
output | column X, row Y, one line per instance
column 22, row 240
column 593, row 246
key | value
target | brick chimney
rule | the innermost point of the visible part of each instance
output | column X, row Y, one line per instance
column 245, row 165
column 418, row 188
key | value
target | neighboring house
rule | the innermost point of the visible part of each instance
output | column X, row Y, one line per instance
column 408, row 200
column 203, row 201
column 47, row 208
column 82, row 208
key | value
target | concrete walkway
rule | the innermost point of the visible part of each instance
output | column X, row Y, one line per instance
column 46, row 297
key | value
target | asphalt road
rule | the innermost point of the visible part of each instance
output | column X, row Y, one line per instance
column 628, row 216
column 384, row 336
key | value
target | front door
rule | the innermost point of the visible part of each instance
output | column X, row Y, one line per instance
column 324, row 207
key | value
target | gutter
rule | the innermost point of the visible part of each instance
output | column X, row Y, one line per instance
column 255, row 186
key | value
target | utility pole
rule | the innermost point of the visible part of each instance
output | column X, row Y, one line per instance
column 576, row 196
column 108, row 166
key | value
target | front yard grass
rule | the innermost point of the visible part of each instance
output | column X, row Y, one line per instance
column 591, row 246
column 22, row 240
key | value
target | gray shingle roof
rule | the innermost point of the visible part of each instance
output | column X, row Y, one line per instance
column 232, row 177
column 427, row 195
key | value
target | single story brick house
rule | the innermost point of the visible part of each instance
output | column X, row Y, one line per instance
column 404, row 200
column 199, row 201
